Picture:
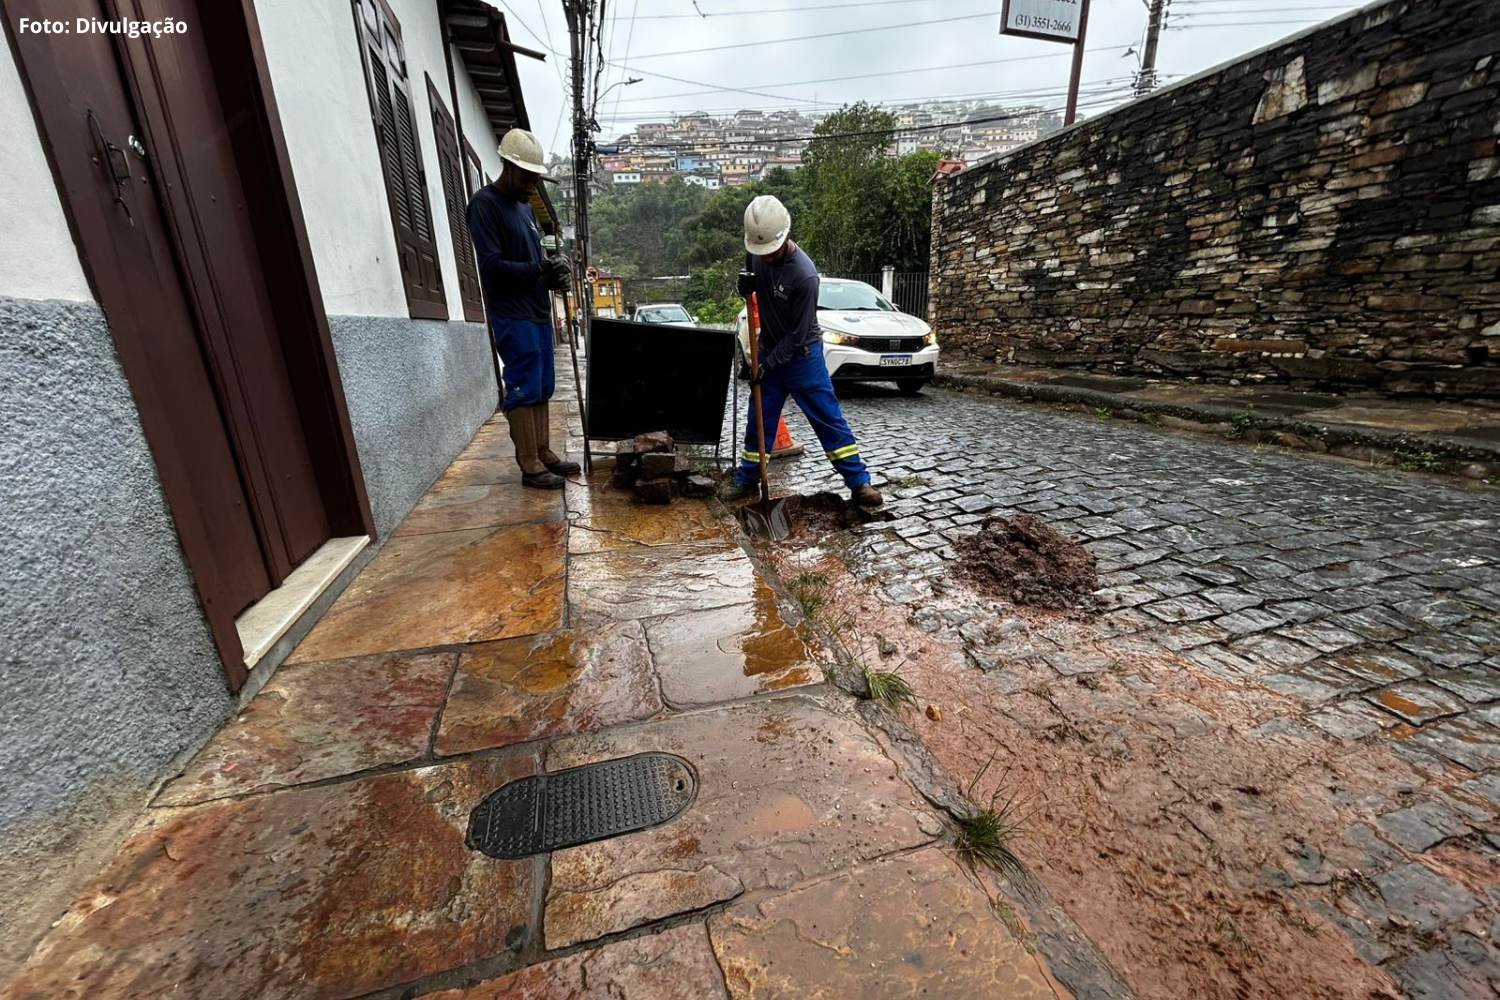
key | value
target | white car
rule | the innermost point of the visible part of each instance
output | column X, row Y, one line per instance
column 865, row 338
column 664, row 314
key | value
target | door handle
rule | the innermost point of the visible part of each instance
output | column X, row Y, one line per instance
column 115, row 162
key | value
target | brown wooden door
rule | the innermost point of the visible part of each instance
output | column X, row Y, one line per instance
column 94, row 134
column 168, row 155
column 197, row 143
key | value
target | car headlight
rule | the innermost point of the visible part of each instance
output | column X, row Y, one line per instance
column 834, row 337
column 930, row 340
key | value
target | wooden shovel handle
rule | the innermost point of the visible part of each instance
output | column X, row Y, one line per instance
column 752, row 316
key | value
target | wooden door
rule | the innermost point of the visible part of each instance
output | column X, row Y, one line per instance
column 206, row 171
column 168, row 156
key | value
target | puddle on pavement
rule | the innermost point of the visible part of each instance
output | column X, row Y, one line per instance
column 733, row 652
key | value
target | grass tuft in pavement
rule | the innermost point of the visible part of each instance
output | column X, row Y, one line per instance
column 985, row 834
column 888, row 687
column 810, row 591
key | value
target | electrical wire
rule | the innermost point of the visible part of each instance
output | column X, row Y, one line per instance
column 714, row 88
column 717, row 88
column 780, row 10
column 629, row 40
column 1240, row 24
column 888, row 102
column 809, row 38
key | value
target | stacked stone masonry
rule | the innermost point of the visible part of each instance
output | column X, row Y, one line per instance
column 1325, row 212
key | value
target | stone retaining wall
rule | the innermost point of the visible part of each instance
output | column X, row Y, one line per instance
column 1326, row 211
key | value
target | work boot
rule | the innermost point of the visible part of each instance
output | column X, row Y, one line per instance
column 733, row 491
column 542, row 414
column 523, row 435
column 866, row 496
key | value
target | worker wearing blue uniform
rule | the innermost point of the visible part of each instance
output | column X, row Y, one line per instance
column 785, row 282
column 517, row 279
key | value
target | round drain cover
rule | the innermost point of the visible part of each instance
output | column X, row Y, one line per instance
column 546, row 812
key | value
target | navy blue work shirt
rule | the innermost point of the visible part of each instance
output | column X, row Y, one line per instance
column 788, row 296
column 508, row 246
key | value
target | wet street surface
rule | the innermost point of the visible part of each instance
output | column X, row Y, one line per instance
column 1268, row 761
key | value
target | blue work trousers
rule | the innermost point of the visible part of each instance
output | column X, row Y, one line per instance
column 526, row 352
column 806, row 380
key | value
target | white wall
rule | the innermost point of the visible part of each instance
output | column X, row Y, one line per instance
column 476, row 124
column 313, row 52
column 38, row 259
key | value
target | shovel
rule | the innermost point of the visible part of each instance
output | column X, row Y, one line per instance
column 764, row 518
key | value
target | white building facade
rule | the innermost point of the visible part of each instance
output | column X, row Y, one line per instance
column 228, row 371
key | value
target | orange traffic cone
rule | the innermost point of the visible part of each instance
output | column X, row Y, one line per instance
column 785, row 447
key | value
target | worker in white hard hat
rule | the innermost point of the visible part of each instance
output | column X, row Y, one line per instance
column 516, row 277
column 785, row 282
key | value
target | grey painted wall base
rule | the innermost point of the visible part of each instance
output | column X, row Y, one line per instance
column 109, row 680
column 108, row 668
column 417, row 390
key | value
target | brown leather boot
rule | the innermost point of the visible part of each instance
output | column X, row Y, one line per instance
column 523, row 435
column 866, row 496
column 543, row 416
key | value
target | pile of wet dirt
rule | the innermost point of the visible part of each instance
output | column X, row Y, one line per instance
column 820, row 514
column 1024, row 561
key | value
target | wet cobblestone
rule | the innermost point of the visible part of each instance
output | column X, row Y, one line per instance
column 1332, row 583
column 1361, row 603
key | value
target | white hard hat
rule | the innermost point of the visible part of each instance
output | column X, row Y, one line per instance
column 522, row 148
column 767, row 225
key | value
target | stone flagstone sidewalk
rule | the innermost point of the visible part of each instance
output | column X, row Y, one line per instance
column 316, row 847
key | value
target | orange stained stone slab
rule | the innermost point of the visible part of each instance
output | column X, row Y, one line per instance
column 322, row 892
column 786, row 791
column 907, row 926
column 704, row 657
column 603, row 519
column 482, row 506
column 627, row 584
column 446, row 588
column 321, row 720
column 676, row 964
column 548, row 685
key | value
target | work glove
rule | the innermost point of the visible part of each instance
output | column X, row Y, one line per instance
column 746, row 284
column 557, row 273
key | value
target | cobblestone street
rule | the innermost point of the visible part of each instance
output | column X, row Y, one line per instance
column 1290, row 691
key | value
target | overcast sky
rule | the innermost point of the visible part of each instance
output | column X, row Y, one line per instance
column 914, row 59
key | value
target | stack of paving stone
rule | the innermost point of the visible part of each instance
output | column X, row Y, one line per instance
column 650, row 467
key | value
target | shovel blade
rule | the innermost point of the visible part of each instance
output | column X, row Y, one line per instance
column 766, row 519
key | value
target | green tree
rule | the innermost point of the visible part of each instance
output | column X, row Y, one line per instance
column 640, row 231
column 906, row 219
column 844, row 183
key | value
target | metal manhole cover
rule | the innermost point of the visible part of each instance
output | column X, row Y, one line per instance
column 546, row 812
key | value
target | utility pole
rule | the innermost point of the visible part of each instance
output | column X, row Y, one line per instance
column 1145, row 80
column 1075, row 80
column 578, row 13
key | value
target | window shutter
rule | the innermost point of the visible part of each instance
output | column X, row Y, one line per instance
column 473, row 172
column 450, row 168
column 400, row 157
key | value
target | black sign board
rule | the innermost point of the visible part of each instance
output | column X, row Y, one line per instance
column 643, row 377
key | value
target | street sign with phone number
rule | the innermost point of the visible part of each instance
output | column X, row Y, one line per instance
column 1052, row 20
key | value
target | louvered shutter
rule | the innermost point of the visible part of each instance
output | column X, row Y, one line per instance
column 473, row 173
column 400, row 157
column 450, row 168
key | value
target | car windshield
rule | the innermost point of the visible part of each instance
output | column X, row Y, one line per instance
column 665, row 314
column 851, row 296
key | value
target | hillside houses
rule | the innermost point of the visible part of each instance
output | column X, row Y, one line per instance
column 741, row 148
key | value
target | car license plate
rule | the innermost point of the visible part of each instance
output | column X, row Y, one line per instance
column 894, row 360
